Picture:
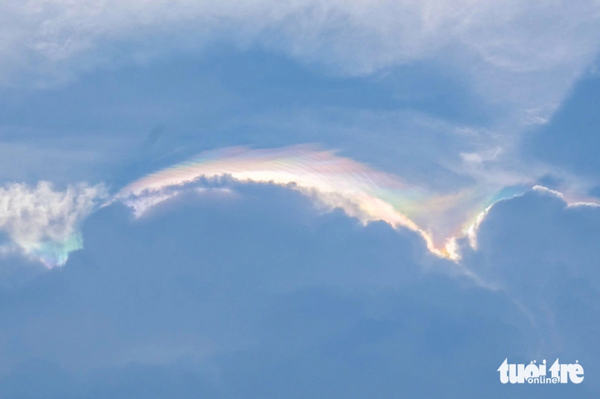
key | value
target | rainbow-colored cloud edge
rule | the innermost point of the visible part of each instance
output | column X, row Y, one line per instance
column 332, row 182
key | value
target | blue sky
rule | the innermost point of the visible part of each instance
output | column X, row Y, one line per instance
column 261, row 199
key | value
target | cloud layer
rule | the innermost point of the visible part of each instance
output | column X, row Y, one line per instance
column 230, row 282
column 525, row 54
column 264, row 295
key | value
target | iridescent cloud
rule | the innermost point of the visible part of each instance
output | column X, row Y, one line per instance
column 43, row 223
column 333, row 182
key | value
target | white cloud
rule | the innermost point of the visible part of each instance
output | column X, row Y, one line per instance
column 43, row 223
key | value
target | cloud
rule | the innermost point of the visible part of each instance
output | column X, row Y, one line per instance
column 561, row 235
column 541, row 252
column 43, row 223
column 519, row 58
column 333, row 182
column 553, row 142
column 519, row 53
column 262, row 295
column 227, row 288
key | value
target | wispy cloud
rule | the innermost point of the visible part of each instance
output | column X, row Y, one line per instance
column 523, row 53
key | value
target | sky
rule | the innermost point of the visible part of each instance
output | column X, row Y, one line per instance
column 311, row 199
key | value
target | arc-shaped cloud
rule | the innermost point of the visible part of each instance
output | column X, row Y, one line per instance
column 334, row 182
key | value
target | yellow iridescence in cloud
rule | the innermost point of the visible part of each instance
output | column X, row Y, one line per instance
column 334, row 182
